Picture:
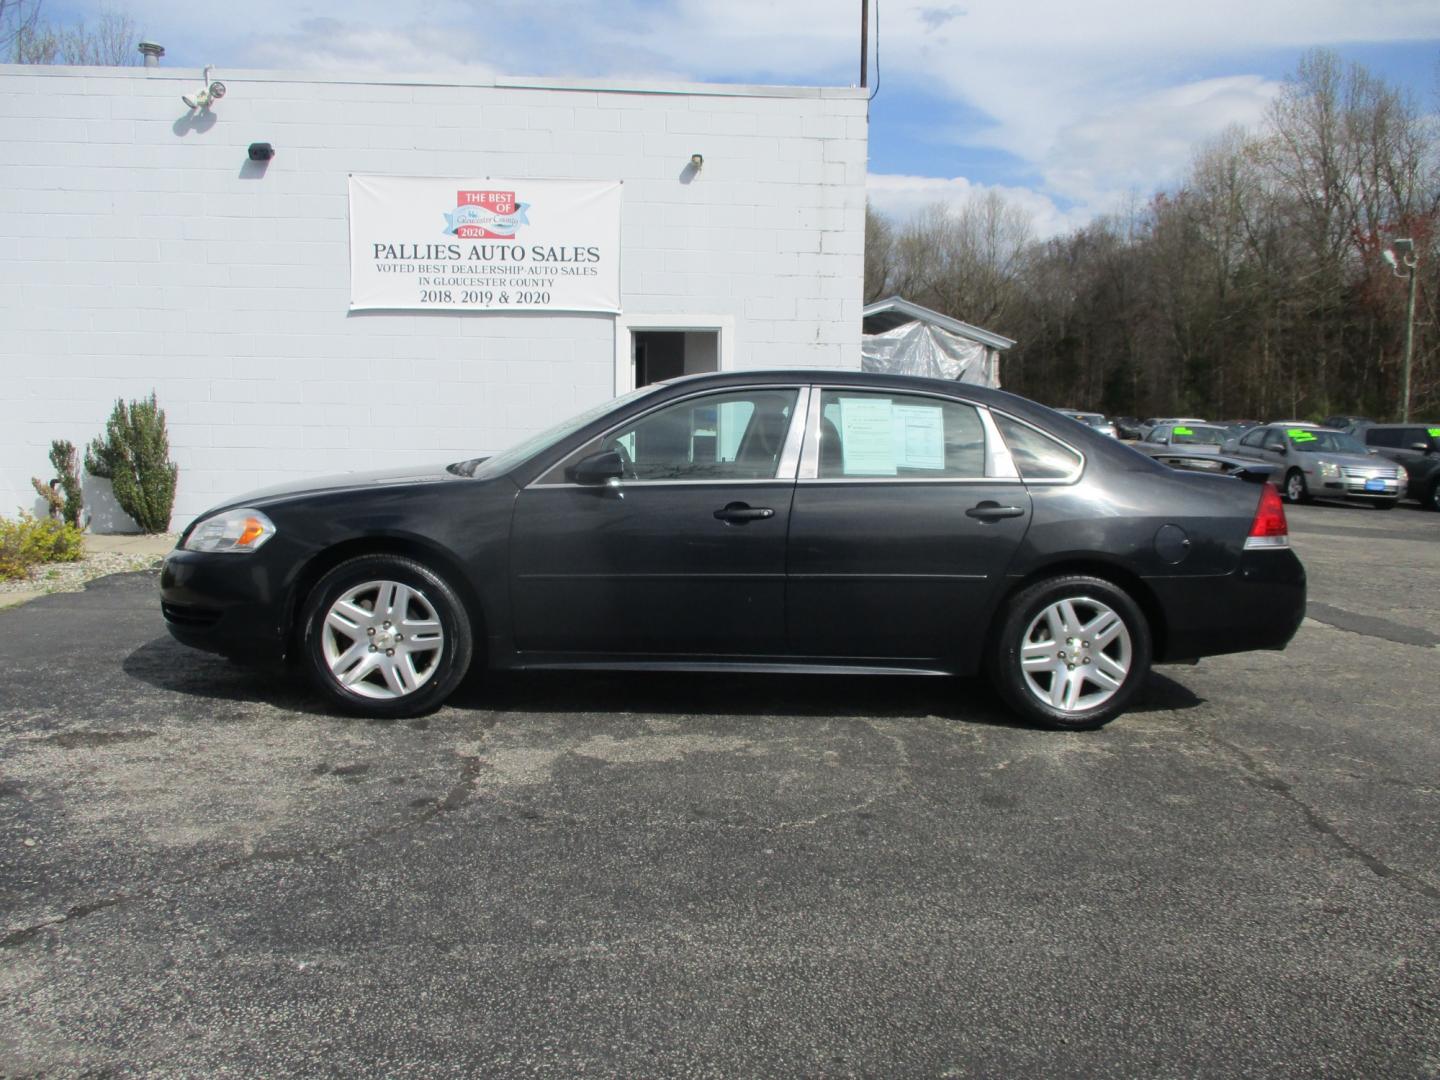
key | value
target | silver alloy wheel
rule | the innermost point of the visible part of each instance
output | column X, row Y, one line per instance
column 383, row 639
column 1295, row 487
column 1076, row 654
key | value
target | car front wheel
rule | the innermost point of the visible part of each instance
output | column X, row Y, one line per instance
column 385, row 636
column 1295, row 489
column 1071, row 652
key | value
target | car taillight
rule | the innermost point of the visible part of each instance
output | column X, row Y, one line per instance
column 1269, row 529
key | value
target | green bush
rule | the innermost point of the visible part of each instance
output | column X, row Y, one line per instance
column 134, row 455
column 28, row 541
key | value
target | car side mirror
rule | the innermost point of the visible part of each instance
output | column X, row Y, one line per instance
column 598, row 468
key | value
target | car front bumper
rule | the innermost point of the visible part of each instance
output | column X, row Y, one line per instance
column 1355, row 487
column 229, row 604
column 1259, row 606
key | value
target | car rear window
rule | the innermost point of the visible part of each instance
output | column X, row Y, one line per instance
column 1036, row 455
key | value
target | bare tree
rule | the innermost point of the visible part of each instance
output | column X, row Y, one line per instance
column 17, row 18
column 109, row 42
column 879, row 255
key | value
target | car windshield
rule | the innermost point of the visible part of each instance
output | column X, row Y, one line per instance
column 1197, row 433
column 1308, row 440
column 501, row 463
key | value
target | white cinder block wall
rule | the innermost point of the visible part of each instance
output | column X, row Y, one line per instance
column 141, row 250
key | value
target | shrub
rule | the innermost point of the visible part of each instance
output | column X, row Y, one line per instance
column 134, row 455
column 68, row 501
column 29, row 541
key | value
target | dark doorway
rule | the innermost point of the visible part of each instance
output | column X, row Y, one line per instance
column 668, row 354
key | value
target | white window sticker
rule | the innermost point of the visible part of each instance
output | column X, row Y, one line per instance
column 867, row 436
column 920, row 436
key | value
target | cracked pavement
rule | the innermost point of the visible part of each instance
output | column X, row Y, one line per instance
column 203, row 873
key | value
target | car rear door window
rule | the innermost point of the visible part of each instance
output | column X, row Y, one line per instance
column 866, row 435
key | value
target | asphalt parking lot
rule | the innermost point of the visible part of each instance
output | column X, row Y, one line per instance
column 202, row 873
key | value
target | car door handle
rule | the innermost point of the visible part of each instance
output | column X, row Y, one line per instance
column 738, row 513
column 989, row 511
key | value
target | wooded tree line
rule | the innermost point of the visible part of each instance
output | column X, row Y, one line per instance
column 1257, row 288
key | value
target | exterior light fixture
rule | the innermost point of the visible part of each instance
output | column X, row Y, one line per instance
column 1402, row 259
column 207, row 95
column 261, row 151
column 697, row 161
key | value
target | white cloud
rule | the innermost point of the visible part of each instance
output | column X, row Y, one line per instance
column 1091, row 99
column 900, row 197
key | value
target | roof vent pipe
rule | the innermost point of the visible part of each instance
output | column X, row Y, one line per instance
column 152, row 53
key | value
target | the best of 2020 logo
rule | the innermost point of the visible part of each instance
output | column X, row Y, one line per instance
column 486, row 215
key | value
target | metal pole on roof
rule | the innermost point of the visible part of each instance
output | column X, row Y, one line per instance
column 864, row 40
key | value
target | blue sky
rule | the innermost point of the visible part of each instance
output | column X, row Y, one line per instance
column 1067, row 106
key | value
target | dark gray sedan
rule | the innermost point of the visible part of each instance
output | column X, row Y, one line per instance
column 793, row 521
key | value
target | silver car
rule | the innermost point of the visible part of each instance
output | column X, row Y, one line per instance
column 1094, row 420
column 1321, row 463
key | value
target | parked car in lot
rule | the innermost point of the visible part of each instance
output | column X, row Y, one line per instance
column 792, row 521
column 1236, row 427
column 1126, row 427
column 1319, row 463
column 1091, row 420
column 1156, row 421
column 1415, row 447
column 1346, row 422
column 1196, row 436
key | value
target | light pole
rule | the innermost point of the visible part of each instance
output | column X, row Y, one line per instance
column 1402, row 253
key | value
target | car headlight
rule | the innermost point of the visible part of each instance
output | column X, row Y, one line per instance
column 1328, row 470
column 237, row 531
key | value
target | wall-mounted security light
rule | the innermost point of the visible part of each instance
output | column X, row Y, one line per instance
column 207, row 95
column 261, row 151
column 697, row 161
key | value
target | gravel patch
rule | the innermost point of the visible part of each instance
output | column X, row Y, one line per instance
column 73, row 576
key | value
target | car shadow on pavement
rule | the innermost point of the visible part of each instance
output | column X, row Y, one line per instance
column 169, row 666
column 165, row 664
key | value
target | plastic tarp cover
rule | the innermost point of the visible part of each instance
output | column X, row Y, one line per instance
column 918, row 348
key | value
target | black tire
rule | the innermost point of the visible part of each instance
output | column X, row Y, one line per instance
column 1432, row 500
column 1296, row 490
column 1025, row 608
column 1385, row 504
column 439, row 670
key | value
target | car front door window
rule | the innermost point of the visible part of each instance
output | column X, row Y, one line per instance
column 717, row 437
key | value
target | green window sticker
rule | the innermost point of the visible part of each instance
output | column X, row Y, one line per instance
column 1301, row 435
column 1183, row 431
column 1434, row 432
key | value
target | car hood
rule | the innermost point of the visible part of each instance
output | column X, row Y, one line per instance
column 415, row 474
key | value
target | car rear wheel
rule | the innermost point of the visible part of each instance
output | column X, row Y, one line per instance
column 1071, row 652
column 1432, row 500
column 385, row 636
column 1295, row 489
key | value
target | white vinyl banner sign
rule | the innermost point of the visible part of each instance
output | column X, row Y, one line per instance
column 484, row 245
